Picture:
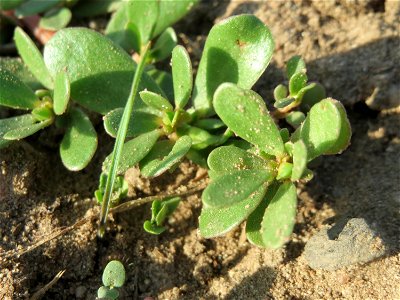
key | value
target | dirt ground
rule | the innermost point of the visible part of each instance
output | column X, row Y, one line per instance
column 353, row 49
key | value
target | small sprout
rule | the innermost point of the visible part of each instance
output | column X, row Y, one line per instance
column 113, row 278
column 280, row 92
column 160, row 211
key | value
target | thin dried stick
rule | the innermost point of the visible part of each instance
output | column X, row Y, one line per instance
column 40, row 293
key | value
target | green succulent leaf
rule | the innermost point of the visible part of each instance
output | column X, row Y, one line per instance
column 33, row 7
column 90, row 8
column 14, row 123
column 55, row 19
column 100, row 72
column 164, row 81
column 312, row 96
column 133, row 151
column 229, row 189
column 140, row 122
column 165, row 209
column 209, row 124
column 23, row 132
column 79, row 142
column 14, row 93
column 19, row 69
column 295, row 65
column 218, row 221
column 326, row 130
column 9, row 5
column 297, row 82
column 281, row 103
column 114, row 274
column 237, row 50
column 182, row 76
column 295, row 118
column 164, row 45
column 32, row 57
column 42, row 113
column 279, row 217
column 156, row 101
column 123, row 32
column 246, row 114
column 62, row 92
column 253, row 223
column 284, row 171
column 285, row 134
column 163, row 156
column 228, row 159
column 201, row 138
column 280, row 92
column 152, row 228
column 299, row 160
column 106, row 293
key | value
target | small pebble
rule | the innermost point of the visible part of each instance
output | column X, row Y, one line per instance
column 346, row 243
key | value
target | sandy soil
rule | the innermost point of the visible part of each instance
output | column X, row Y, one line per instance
column 352, row 47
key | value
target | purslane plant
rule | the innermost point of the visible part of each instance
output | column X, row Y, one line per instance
column 171, row 132
column 113, row 278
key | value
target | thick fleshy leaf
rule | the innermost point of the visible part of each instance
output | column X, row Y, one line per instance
column 14, row 93
column 9, row 5
column 90, row 8
column 100, row 72
column 156, row 101
column 62, row 93
column 182, row 76
column 326, row 129
column 42, row 113
column 23, row 132
column 234, row 187
column 152, row 228
column 164, row 45
column 280, row 92
column 312, row 96
column 133, row 151
column 170, row 12
column 280, row 216
column 19, row 69
column 253, row 223
column 121, row 31
column 163, row 156
column 32, row 57
column 227, row 159
column 139, row 122
column 246, row 114
column 144, row 15
column 284, row 171
column 114, row 274
column 237, row 50
column 297, row 82
column 209, row 124
column 295, row 65
column 295, row 118
column 33, row 7
column 164, row 81
column 281, row 103
column 166, row 208
column 14, row 123
column 106, row 293
column 201, row 138
column 218, row 221
column 79, row 142
column 55, row 19
column 299, row 160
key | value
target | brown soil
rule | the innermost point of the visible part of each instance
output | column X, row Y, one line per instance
column 352, row 47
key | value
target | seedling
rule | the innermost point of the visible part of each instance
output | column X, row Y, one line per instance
column 257, row 184
column 160, row 211
column 113, row 278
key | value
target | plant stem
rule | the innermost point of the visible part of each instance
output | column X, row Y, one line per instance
column 119, row 142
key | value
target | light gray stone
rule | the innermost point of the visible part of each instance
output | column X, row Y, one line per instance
column 346, row 243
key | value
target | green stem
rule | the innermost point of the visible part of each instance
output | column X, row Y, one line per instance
column 119, row 142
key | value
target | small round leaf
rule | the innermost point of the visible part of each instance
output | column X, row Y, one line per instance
column 114, row 274
column 56, row 19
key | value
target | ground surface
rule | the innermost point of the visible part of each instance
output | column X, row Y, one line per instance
column 352, row 47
